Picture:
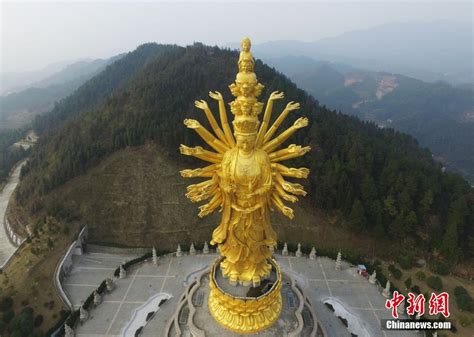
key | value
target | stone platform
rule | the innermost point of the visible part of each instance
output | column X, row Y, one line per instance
column 317, row 280
column 192, row 316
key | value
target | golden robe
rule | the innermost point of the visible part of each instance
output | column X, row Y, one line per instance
column 245, row 233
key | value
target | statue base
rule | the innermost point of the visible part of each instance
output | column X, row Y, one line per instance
column 243, row 309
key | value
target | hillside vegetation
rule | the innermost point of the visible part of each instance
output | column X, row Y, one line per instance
column 379, row 181
column 438, row 115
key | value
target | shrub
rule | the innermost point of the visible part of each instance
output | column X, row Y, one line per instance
column 464, row 320
column 464, row 301
column 27, row 311
column 397, row 273
column 6, row 303
column 408, row 283
column 439, row 268
column 16, row 333
column 415, row 289
column 38, row 320
column 458, row 291
column 420, row 275
column 26, row 323
column 406, row 262
column 8, row 315
column 434, row 282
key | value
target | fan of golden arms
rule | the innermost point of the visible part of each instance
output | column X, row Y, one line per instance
column 245, row 181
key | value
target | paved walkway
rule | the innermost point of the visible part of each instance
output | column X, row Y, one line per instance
column 6, row 248
column 318, row 279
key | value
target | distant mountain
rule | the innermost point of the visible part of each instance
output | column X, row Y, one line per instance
column 108, row 156
column 428, row 51
column 16, row 81
column 439, row 115
column 19, row 108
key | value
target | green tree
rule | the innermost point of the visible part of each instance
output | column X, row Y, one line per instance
column 357, row 217
column 390, row 207
column 450, row 247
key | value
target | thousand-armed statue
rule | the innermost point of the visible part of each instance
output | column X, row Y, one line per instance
column 246, row 178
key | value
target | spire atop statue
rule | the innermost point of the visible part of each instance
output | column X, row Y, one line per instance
column 246, row 60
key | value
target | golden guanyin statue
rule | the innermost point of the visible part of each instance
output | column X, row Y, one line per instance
column 246, row 177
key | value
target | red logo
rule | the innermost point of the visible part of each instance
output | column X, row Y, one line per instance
column 416, row 304
column 439, row 304
column 394, row 303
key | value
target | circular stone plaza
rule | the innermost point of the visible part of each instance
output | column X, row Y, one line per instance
column 167, row 296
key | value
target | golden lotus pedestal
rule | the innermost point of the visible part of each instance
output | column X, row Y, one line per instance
column 245, row 310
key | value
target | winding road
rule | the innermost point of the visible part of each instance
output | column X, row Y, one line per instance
column 6, row 248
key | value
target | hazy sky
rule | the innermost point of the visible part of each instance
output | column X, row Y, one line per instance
column 36, row 34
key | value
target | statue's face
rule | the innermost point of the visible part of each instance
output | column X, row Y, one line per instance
column 247, row 65
column 246, row 142
column 245, row 45
column 246, row 108
column 247, row 87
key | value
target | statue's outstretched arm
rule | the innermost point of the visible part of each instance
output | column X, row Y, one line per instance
column 213, row 142
column 285, row 171
column 285, row 210
column 200, row 153
column 275, row 142
column 223, row 116
column 296, row 189
column 204, row 185
column 292, row 151
column 203, row 190
column 281, row 192
column 289, row 107
column 208, row 208
column 204, row 172
column 267, row 115
column 200, row 194
column 202, row 104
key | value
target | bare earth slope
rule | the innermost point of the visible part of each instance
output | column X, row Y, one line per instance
column 136, row 197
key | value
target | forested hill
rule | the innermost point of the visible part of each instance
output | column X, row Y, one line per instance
column 381, row 181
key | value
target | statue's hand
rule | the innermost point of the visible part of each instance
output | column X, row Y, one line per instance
column 258, row 192
column 292, row 148
column 186, row 150
column 191, row 173
column 202, row 104
column 204, row 210
column 292, row 106
column 216, row 95
column 301, row 122
column 192, row 123
column 290, row 198
column 300, row 173
column 276, row 95
column 305, row 149
column 288, row 212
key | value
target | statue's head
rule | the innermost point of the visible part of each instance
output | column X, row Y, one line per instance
column 246, row 82
column 245, row 44
column 246, row 141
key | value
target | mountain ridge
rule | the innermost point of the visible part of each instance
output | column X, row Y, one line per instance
column 439, row 115
column 378, row 180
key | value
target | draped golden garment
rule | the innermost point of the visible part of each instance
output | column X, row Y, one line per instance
column 245, row 232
